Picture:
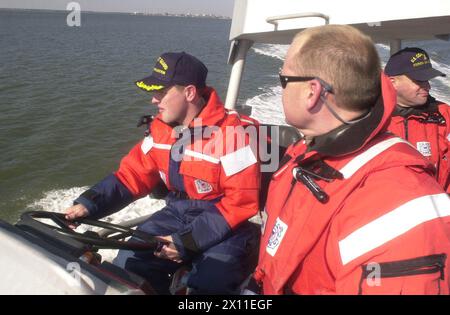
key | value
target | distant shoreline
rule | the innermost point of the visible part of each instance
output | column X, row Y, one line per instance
column 187, row 15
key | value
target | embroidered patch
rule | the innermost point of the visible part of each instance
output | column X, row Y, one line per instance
column 202, row 186
column 147, row 144
column 278, row 232
column 424, row 148
column 163, row 177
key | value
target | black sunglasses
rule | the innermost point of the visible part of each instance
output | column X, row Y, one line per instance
column 285, row 79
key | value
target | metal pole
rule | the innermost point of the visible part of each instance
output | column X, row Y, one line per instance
column 238, row 62
column 395, row 45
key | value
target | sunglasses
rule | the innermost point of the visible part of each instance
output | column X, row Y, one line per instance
column 285, row 79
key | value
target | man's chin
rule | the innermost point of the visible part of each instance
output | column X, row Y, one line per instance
column 165, row 119
column 422, row 100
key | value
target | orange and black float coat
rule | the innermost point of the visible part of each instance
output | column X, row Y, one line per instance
column 427, row 128
column 357, row 211
column 211, row 165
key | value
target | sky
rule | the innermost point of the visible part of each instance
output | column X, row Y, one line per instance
column 217, row 7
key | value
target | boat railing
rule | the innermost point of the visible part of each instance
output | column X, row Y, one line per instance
column 275, row 19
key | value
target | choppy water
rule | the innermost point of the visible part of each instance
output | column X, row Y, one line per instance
column 68, row 105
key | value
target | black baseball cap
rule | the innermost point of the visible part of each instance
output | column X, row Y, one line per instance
column 175, row 68
column 412, row 62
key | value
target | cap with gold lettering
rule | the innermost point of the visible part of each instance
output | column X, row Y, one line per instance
column 175, row 68
column 412, row 62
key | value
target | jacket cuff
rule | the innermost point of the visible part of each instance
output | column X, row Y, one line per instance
column 185, row 244
column 87, row 200
column 179, row 246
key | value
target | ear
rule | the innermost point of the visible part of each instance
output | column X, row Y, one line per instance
column 190, row 93
column 394, row 81
column 314, row 89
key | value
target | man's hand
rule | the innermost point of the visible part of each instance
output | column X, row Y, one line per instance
column 76, row 211
column 168, row 250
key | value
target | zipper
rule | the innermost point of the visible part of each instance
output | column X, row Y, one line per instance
column 405, row 124
column 410, row 267
column 293, row 182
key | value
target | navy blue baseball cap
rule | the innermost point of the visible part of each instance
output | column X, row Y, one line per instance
column 412, row 62
column 175, row 68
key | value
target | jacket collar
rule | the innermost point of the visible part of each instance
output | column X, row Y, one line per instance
column 429, row 107
column 212, row 113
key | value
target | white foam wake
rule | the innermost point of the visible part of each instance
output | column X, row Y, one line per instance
column 267, row 106
column 440, row 86
column 275, row 51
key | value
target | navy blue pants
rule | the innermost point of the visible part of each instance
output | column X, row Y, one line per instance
column 219, row 270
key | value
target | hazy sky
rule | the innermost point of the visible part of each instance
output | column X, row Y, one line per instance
column 219, row 7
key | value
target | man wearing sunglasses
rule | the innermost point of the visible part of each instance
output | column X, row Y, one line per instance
column 352, row 209
column 201, row 153
column 419, row 117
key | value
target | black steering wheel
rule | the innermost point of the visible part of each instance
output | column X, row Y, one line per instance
column 142, row 240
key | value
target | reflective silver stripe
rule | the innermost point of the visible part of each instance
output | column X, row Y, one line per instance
column 201, row 156
column 147, row 144
column 393, row 224
column 237, row 161
column 162, row 146
column 247, row 121
column 355, row 164
column 232, row 112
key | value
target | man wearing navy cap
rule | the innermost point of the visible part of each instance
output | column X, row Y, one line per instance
column 420, row 118
column 201, row 152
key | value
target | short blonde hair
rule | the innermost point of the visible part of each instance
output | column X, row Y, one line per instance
column 344, row 57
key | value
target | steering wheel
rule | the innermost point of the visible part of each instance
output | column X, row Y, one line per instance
column 143, row 241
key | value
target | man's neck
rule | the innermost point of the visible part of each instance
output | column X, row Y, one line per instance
column 193, row 111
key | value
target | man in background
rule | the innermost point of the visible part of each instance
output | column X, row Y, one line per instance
column 418, row 117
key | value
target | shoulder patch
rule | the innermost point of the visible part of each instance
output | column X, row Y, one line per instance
column 202, row 186
column 424, row 147
column 278, row 232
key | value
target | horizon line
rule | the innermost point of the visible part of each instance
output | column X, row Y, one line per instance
column 124, row 12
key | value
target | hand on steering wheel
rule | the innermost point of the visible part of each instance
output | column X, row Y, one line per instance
column 116, row 240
